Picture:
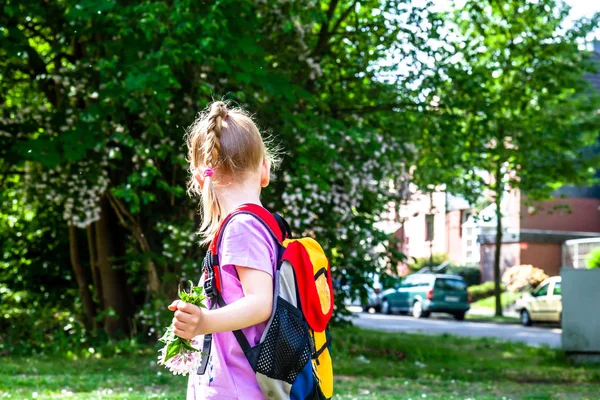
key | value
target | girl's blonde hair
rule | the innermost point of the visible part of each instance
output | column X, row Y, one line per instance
column 222, row 144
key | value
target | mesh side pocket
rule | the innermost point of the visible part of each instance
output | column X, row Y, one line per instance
column 286, row 347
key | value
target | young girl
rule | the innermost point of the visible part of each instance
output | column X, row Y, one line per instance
column 229, row 164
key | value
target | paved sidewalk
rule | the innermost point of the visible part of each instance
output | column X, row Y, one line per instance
column 534, row 336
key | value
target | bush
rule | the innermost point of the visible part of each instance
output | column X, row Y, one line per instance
column 53, row 332
column 420, row 263
column 592, row 260
column 483, row 291
column 29, row 326
column 522, row 277
column 471, row 274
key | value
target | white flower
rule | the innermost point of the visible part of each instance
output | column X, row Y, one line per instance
column 185, row 362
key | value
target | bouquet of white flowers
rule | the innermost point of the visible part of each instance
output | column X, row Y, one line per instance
column 179, row 355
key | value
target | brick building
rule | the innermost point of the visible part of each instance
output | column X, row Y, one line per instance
column 532, row 235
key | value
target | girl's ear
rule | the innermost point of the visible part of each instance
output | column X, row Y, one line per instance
column 265, row 173
column 199, row 178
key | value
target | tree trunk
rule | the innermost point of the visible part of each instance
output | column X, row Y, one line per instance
column 91, row 238
column 128, row 222
column 118, row 304
column 498, row 200
column 84, row 289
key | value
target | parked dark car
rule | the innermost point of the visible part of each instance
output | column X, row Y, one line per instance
column 422, row 294
column 373, row 300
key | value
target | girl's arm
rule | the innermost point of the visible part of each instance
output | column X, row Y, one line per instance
column 252, row 309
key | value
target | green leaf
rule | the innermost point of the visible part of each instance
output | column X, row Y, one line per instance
column 168, row 336
column 173, row 349
column 186, row 345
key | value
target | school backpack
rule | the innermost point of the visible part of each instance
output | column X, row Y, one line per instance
column 292, row 361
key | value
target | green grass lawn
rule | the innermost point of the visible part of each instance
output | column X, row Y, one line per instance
column 368, row 365
column 493, row 318
column 507, row 299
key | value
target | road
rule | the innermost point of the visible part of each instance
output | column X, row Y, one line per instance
column 534, row 336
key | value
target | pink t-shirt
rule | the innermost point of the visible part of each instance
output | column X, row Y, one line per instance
column 245, row 242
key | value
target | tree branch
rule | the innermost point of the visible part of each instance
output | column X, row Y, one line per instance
column 508, row 31
column 35, row 62
column 31, row 28
column 324, row 33
column 343, row 17
column 376, row 108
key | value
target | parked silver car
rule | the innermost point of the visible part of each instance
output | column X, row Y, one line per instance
column 544, row 304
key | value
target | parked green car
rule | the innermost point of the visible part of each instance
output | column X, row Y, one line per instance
column 422, row 294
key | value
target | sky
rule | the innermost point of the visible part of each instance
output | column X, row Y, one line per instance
column 579, row 8
column 584, row 8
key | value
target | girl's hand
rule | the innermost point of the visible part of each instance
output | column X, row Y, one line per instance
column 188, row 320
column 252, row 309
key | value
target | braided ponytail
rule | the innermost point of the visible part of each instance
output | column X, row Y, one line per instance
column 210, row 149
column 222, row 144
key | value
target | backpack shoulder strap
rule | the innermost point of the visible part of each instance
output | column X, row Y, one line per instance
column 279, row 230
column 284, row 226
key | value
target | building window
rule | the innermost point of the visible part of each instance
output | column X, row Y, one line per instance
column 429, row 231
column 470, row 246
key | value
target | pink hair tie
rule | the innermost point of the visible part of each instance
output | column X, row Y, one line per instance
column 209, row 172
